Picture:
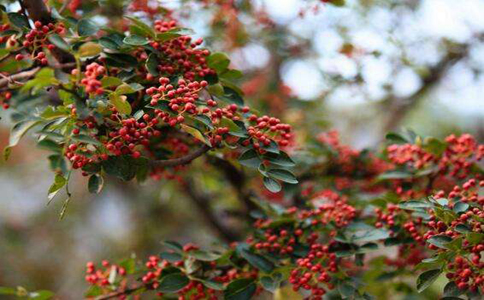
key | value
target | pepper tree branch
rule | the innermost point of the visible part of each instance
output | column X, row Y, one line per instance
column 237, row 180
column 202, row 201
column 181, row 160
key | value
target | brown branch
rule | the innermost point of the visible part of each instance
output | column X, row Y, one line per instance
column 38, row 11
column 120, row 293
column 202, row 201
column 182, row 160
column 24, row 75
column 237, row 180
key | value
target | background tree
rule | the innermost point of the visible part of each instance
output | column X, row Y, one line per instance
column 270, row 48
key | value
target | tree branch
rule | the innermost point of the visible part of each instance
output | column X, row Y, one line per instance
column 19, row 76
column 182, row 160
column 120, row 293
column 398, row 108
column 202, row 201
column 237, row 180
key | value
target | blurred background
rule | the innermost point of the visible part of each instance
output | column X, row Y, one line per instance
column 365, row 68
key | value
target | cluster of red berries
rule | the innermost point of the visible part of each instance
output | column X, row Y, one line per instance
column 6, row 96
column 314, row 270
column 280, row 241
column 181, row 55
column 329, row 207
column 100, row 277
column 90, row 81
column 266, row 129
column 466, row 274
column 35, row 40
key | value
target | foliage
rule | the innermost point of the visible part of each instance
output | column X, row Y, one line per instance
column 139, row 100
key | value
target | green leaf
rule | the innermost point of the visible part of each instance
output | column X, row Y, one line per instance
column 255, row 259
column 86, row 27
column 439, row 241
column 346, row 290
column 19, row 130
column 281, row 159
column 42, row 79
column 19, row 20
column 204, row 255
column 240, row 289
column 270, row 284
column 147, row 30
column 172, row 283
column 234, row 129
column 231, row 96
column 89, row 49
column 212, row 284
column 49, row 145
column 394, row 175
column 371, row 235
column 462, row 228
column 123, row 167
column 415, row 205
column 171, row 256
column 250, row 159
column 427, row 278
column 451, row 290
column 173, row 246
column 460, row 207
column 196, row 134
column 59, row 42
column 95, row 184
column 59, row 182
column 86, row 139
column 283, row 175
column 218, row 61
column 152, row 64
column 120, row 103
column 110, row 81
column 135, row 40
column 396, row 138
column 272, row 185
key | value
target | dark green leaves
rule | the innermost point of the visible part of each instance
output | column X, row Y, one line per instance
column 272, row 185
column 135, row 40
column 256, row 260
column 250, row 159
column 59, row 42
column 139, row 27
column 123, row 167
column 152, row 64
column 427, row 278
column 172, row 283
column 86, row 27
column 439, row 241
column 371, row 235
column 240, row 289
column 59, row 183
column 18, row 20
column 218, row 61
column 283, row 175
column 95, row 184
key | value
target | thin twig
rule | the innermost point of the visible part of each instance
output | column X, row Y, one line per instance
column 18, row 77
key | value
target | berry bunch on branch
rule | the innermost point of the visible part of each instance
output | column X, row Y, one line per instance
column 142, row 99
